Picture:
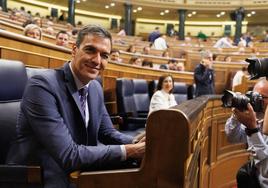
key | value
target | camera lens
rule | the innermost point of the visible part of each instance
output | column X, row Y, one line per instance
column 257, row 67
column 231, row 99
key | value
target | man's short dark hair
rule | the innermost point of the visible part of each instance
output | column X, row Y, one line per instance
column 114, row 51
column 92, row 30
column 63, row 32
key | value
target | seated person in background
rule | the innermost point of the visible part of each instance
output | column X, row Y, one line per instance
column 215, row 57
column 227, row 59
column 147, row 63
column 63, row 121
column 15, row 15
column 70, row 29
column 160, row 43
column 49, row 30
column 115, row 56
column 180, row 66
column 265, row 37
column 241, row 47
column 131, row 49
column 187, row 42
column 135, row 60
column 62, row 39
column 202, row 36
column 165, row 54
column 224, row 42
column 146, row 50
column 37, row 21
column 243, row 127
column 237, row 80
column 33, row 31
column 122, row 32
column 254, row 50
column 75, row 32
column 163, row 97
column 172, row 65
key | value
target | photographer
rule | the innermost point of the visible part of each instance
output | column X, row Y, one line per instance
column 246, row 126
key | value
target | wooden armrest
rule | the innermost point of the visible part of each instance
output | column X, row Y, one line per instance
column 20, row 174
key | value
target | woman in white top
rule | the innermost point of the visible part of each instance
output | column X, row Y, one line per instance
column 163, row 97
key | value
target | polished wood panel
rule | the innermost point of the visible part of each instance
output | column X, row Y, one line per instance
column 185, row 147
column 20, row 42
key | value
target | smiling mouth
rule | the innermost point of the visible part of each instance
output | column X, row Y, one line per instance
column 92, row 67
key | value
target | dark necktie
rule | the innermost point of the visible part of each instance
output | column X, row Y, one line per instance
column 83, row 97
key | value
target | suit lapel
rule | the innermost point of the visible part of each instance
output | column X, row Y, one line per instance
column 70, row 84
column 93, row 113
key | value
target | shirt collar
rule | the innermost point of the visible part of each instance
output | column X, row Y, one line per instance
column 78, row 83
column 165, row 93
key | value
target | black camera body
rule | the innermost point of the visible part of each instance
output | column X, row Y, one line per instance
column 231, row 99
column 257, row 67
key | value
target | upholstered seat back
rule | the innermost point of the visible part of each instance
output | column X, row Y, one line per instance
column 127, row 107
column 125, row 97
column 141, row 95
column 180, row 92
column 13, row 80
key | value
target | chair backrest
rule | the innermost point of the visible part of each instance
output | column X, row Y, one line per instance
column 125, row 97
column 180, row 92
column 141, row 95
column 13, row 79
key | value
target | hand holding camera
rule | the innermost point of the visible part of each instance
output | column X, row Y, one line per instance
column 246, row 117
column 231, row 99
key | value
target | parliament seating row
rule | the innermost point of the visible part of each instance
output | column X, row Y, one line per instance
column 195, row 126
column 185, row 147
column 133, row 100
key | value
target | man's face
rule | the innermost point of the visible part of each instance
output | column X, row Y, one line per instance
column 62, row 39
column 34, row 33
column 264, row 92
column 207, row 61
column 91, row 57
column 114, row 56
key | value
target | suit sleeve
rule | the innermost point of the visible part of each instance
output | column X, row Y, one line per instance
column 201, row 77
column 40, row 107
column 108, row 134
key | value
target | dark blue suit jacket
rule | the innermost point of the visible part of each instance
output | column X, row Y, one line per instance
column 51, row 128
column 204, row 80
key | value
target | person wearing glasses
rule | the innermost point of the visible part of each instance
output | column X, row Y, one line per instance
column 204, row 75
column 247, row 127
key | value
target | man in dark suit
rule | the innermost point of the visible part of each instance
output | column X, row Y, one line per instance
column 204, row 75
column 63, row 122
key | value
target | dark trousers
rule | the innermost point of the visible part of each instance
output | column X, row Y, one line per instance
column 247, row 177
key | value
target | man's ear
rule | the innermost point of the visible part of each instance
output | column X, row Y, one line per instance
column 74, row 50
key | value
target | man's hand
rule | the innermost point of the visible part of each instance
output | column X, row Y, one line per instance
column 135, row 151
column 139, row 138
column 248, row 117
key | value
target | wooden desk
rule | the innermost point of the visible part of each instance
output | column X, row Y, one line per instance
column 186, row 147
